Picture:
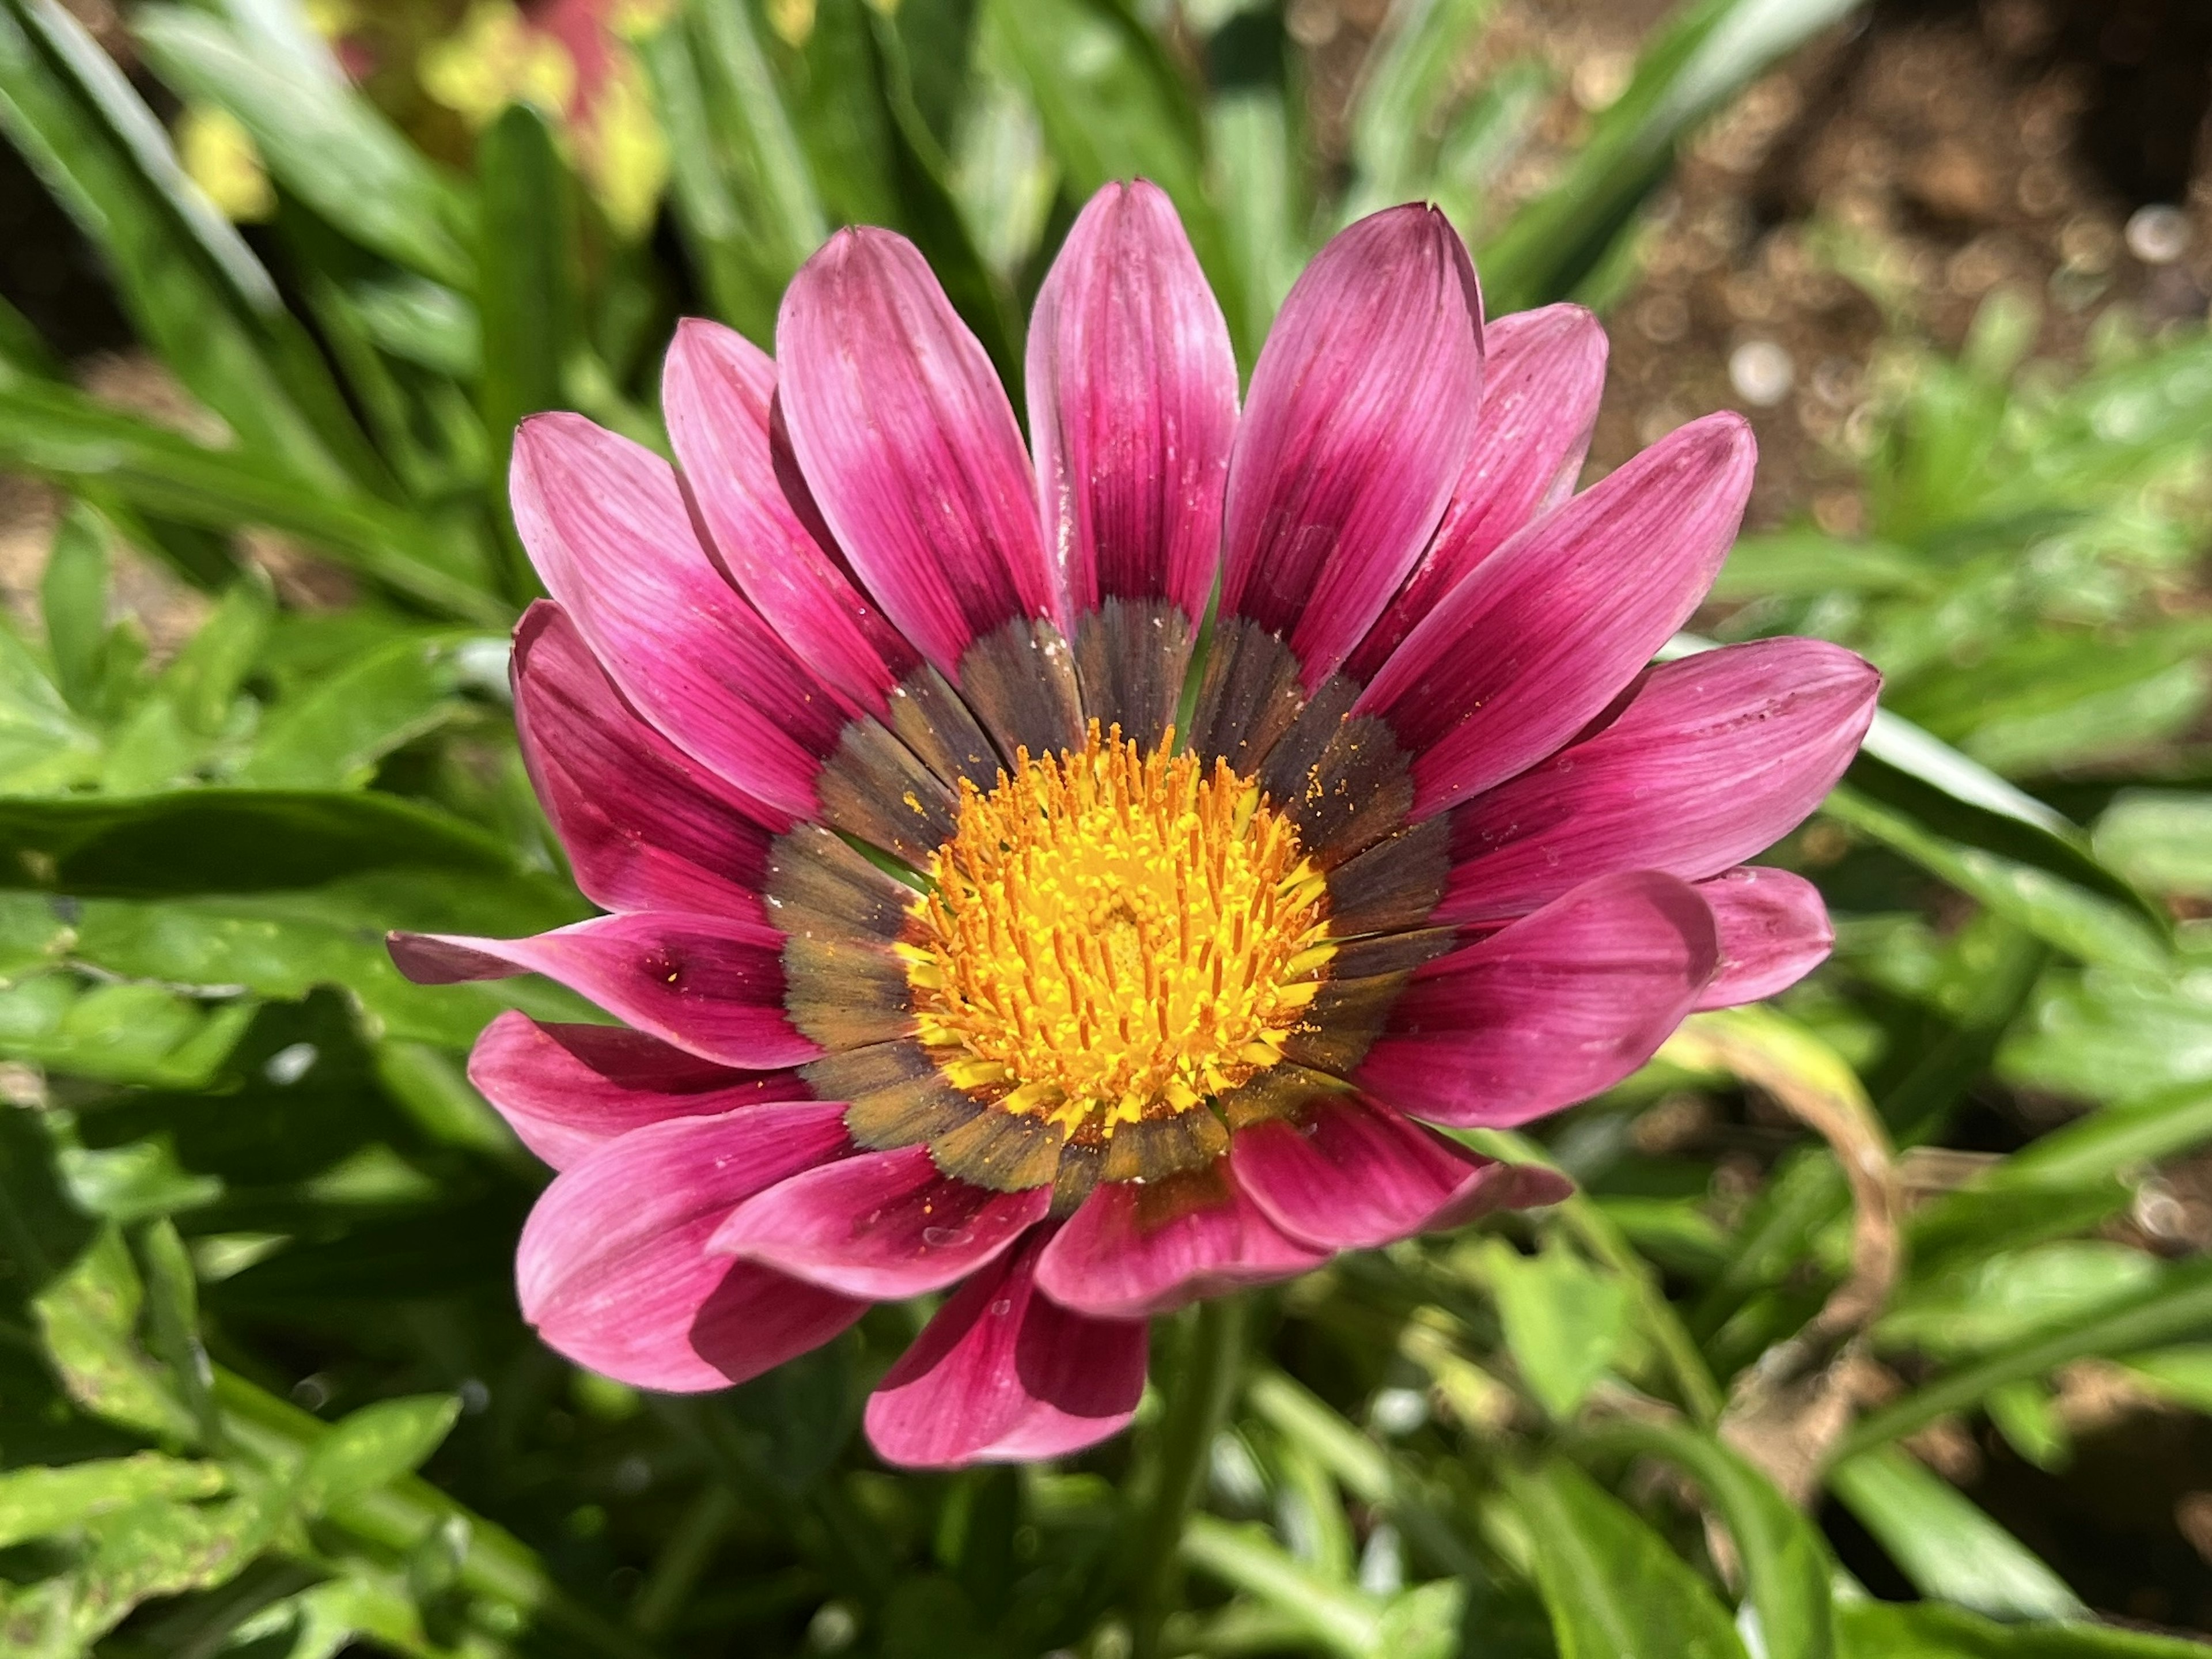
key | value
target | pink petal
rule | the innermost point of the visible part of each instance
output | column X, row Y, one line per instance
column 1549, row 1011
column 613, row 1269
column 1545, row 632
column 713, row 986
column 908, row 445
column 1705, row 762
column 1001, row 1375
column 1132, row 1250
column 716, row 389
column 1132, row 404
column 1774, row 930
column 566, row 1090
column 883, row 1225
column 1542, row 373
column 645, row 827
column 1363, row 411
column 1355, row 1176
column 608, row 530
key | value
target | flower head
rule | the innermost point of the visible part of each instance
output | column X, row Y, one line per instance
column 1184, row 953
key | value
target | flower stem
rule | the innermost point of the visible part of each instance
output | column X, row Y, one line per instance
column 1198, row 1399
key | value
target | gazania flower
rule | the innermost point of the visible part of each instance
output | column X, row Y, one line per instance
column 1184, row 946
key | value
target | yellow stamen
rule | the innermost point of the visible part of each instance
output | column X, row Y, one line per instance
column 1115, row 935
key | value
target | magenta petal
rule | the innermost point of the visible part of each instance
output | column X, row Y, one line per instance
column 1133, row 405
column 1356, row 1174
column 908, row 445
column 613, row 1269
column 645, row 827
column 1549, row 1011
column 566, row 1090
column 1774, row 930
column 1363, row 411
column 883, row 1225
column 608, row 528
column 716, row 390
column 1707, row 761
column 712, row 986
column 1001, row 1375
column 1545, row 633
column 1542, row 373
column 1132, row 1250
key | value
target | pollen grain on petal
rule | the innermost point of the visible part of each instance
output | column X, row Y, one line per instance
column 1115, row 935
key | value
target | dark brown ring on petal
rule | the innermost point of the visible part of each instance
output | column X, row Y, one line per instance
column 1006, row 1151
column 1078, row 1173
column 1248, row 696
column 928, row 715
column 1155, row 1147
column 817, row 887
column 876, row 789
column 1285, row 1090
column 1341, row 779
column 1343, row 1022
column 842, row 992
column 1395, row 884
column 895, row 1095
column 1131, row 657
column 1020, row 680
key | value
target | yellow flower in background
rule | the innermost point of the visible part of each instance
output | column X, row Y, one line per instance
column 495, row 59
column 220, row 155
column 792, row 20
column 570, row 58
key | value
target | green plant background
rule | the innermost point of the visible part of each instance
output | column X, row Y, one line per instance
column 263, row 1387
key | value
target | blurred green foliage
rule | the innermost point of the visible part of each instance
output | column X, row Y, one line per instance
column 256, row 1230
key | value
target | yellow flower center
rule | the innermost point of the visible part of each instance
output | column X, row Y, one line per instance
column 1114, row 936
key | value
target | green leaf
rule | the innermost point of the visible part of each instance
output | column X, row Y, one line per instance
column 318, row 139
column 1803, row 564
column 1706, row 50
column 1945, row 1545
column 193, row 708
column 173, row 1299
column 1787, row 1566
column 73, row 600
column 742, row 188
column 205, row 676
column 2177, row 1308
column 2110, row 1142
column 922, row 174
column 2028, row 1417
column 155, row 1548
column 88, row 1318
column 2015, row 1295
column 1613, row 1589
column 1564, row 1320
column 195, row 290
column 38, row 1503
column 2105, row 1034
column 247, row 841
column 139, row 1178
column 2181, row 1374
column 43, row 745
column 374, row 1445
column 69, row 438
column 1113, row 107
column 2071, row 915
column 1244, row 1557
column 2160, row 840
column 1396, row 115
column 1884, row 1629
column 284, row 946
column 333, row 735
column 530, row 288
